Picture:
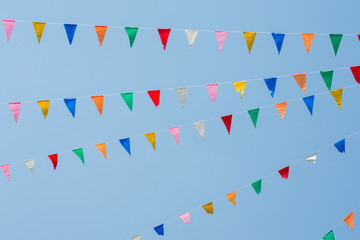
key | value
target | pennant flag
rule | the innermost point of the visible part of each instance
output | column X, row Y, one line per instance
column 159, row 229
column 200, row 127
column 254, row 113
column 356, row 72
column 155, row 96
column 6, row 169
column 164, row 35
column 131, row 32
column 99, row 102
column 151, row 138
column 284, row 173
column 125, row 142
column 309, row 102
column 301, row 80
column 240, row 86
column 80, row 153
column 31, row 165
column 279, row 39
column 15, row 109
column 54, row 160
column 312, row 158
column 182, row 94
column 257, row 186
column 328, row 77
column 335, row 41
column 71, row 105
column 221, row 37
column 281, row 107
column 128, row 98
column 9, row 26
column 175, row 131
column 212, row 90
column 227, row 121
column 340, row 145
column 70, row 31
column 44, row 105
column 102, row 148
column 249, row 38
column 137, row 237
column 232, row 197
column 39, row 29
column 359, row 37
column 271, row 84
column 337, row 94
column 208, row 208
column 329, row 236
column 186, row 218
column 307, row 38
column 350, row 220
column 101, row 31
column 191, row 36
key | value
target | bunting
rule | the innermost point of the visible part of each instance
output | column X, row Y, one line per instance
column 131, row 32
column 200, row 127
column 349, row 220
column 182, row 94
column 340, row 145
column 329, row 236
column 159, row 230
column 155, row 97
column 254, row 113
column 44, row 106
column 227, row 121
column 175, row 132
column 39, row 29
column 102, row 149
column 31, row 165
column 281, row 107
column 309, row 102
column 99, row 102
column 327, row 77
column 284, row 173
column 257, row 186
column 249, row 38
column 54, row 160
column 271, row 84
column 151, row 138
column 279, row 39
column 356, row 73
column 191, row 36
column 208, row 208
column 6, row 169
column 335, row 41
column 240, row 86
column 15, row 109
column 307, row 38
column 125, row 142
column 312, row 158
column 71, row 105
column 212, row 90
column 70, row 31
column 80, row 153
column 301, row 80
column 232, row 197
column 9, row 26
column 100, row 31
column 128, row 98
column 337, row 94
column 221, row 37
column 186, row 218
column 164, row 35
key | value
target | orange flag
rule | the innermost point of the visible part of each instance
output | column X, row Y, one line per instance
column 350, row 220
column 281, row 108
column 39, row 29
column 307, row 37
column 232, row 197
column 301, row 80
column 99, row 101
column 102, row 148
column 101, row 31
column 208, row 208
column 151, row 138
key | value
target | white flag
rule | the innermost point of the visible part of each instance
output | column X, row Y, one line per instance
column 191, row 35
column 200, row 127
column 312, row 158
column 137, row 237
column 182, row 94
column 31, row 165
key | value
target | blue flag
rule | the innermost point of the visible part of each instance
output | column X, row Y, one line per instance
column 159, row 229
column 70, row 31
column 70, row 104
column 125, row 142
column 271, row 84
column 340, row 145
column 279, row 39
column 309, row 102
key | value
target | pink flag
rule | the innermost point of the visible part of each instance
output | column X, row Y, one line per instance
column 212, row 90
column 6, row 169
column 186, row 218
column 8, row 25
column 221, row 37
column 15, row 109
column 175, row 131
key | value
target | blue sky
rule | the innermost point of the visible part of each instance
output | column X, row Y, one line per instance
column 123, row 196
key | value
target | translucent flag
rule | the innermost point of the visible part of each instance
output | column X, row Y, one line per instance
column 191, row 36
column 31, row 165
column 200, row 127
column 312, row 158
column 182, row 94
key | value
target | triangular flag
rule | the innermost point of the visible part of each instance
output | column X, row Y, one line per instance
column 232, row 197
column 327, row 77
column 159, row 229
column 155, row 96
column 137, row 237
column 309, row 102
column 312, row 158
column 15, row 109
column 125, row 142
column 212, row 90
column 350, row 220
column 337, row 94
column 6, row 169
column 31, row 165
column 208, row 208
column 221, row 37
column 307, row 38
column 71, row 105
column 356, row 72
column 164, row 35
column 340, row 145
column 182, row 94
column 191, row 36
column 39, row 29
column 358, row 36
column 80, row 153
column 128, row 98
column 200, row 127
column 102, row 148
column 271, row 84
column 257, row 186
column 70, row 31
column 301, row 80
column 240, row 86
column 54, row 159
column 249, row 38
column 254, row 113
column 186, row 218
column 9, row 26
column 101, row 31
column 284, row 173
column 281, row 107
column 279, row 39
column 335, row 41
column 175, row 131
column 329, row 236
column 227, row 121
column 131, row 32
column 99, row 102
column 151, row 138
column 44, row 105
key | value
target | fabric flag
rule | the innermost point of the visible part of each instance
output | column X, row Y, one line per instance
column 208, row 208
column 327, row 77
column 335, row 41
column 329, row 236
column 340, row 145
column 309, row 102
column 128, row 98
column 39, row 29
column 131, row 32
column 31, row 165
column 312, row 158
column 279, row 39
column 350, row 220
column 281, row 107
column 175, row 131
column 249, row 38
column 6, row 169
column 102, row 148
column 54, row 160
column 125, row 142
column 155, row 96
column 80, row 153
column 151, row 138
column 99, row 102
column 284, row 173
column 159, row 229
column 257, row 186
column 212, row 90
column 200, row 127
column 15, row 109
column 9, row 26
column 137, row 237
column 164, row 35
column 186, row 218
column 337, row 94
column 307, row 38
column 271, row 84
column 44, row 105
column 101, row 31
column 221, row 37
column 71, row 105
column 227, row 121
column 301, row 80
column 182, row 94
column 254, row 113
column 232, row 197
column 240, row 86
column 356, row 72
column 70, row 31
column 191, row 36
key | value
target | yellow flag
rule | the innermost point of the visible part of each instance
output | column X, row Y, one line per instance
column 208, row 208
column 44, row 105
column 249, row 37
column 151, row 138
column 240, row 86
column 39, row 28
column 102, row 148
column 337, row 94
column 232, row 197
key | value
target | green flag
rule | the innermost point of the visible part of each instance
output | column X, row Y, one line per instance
column 335, row 40
column 131, row 32
column 329, row 236
column 80, row 153
column 128, row 98
column 257, row 186
column 254, row 113
column 328, row 77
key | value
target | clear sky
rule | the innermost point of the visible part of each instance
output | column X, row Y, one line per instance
column 122, row 196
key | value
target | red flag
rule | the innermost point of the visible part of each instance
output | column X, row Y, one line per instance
column 356, row 72
column 54, row 159
column 284, row 172
column 359, row 36
column 164, row 35
column 155, row 96
column 227, row 121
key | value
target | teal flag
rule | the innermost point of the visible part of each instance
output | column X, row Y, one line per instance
column 329, row 236
column 335, row 41
column 80, row 153
column 131, row 32
column 128, row 98
column 254, row 113
column 257, row 186
column 327, row 77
